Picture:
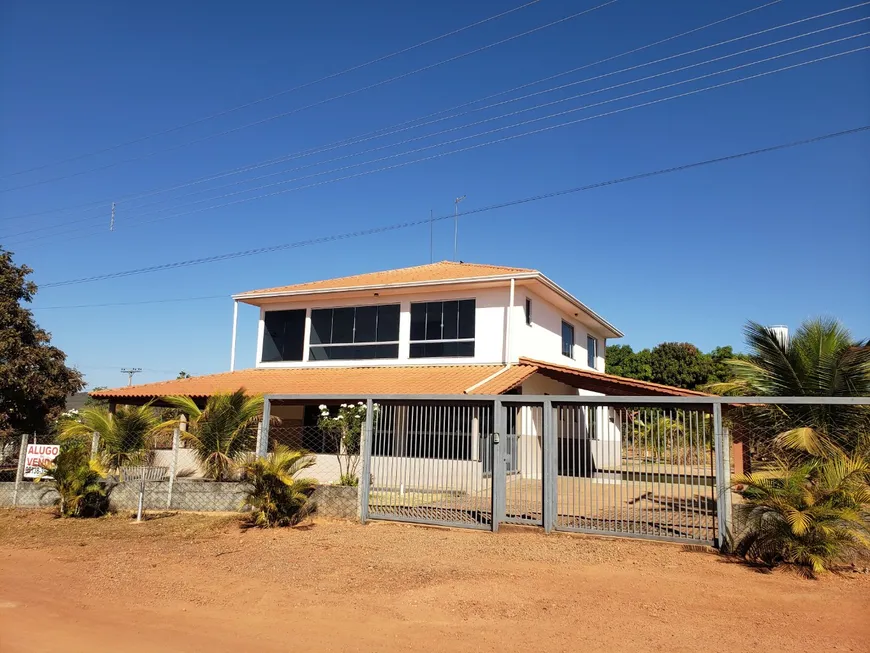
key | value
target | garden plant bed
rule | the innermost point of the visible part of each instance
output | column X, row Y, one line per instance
column 191, row 582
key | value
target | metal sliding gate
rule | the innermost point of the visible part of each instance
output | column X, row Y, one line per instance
column 431, row 463
column 583, row 464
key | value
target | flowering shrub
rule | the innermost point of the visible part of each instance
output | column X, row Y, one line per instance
column 344, row 431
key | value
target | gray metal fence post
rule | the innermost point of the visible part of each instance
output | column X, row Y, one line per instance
column 263, row 436
column 19, row 472
column 499, row 459
column 549, row 485
column 366, row 472
column 723, row 480
column 173, row 465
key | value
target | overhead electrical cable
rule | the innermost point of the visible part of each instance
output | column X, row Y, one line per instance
column 450, row 216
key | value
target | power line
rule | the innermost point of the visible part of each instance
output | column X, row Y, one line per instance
column 273, row 95
column 309, row 106
column 381, row 133
column 506, row 115
column 425, row 221
column 494, row 141
column 384, row 131
column 149, row 301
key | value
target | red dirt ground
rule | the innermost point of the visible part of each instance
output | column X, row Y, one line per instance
column 200, row 583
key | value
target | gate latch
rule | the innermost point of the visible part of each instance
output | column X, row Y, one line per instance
column 495, row 438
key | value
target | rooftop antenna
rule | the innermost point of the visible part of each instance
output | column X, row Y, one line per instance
column 112, row 221
column 456, row 225
column 130, row 371
column 431, row 238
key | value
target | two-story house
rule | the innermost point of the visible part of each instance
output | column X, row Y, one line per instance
column 440, row 329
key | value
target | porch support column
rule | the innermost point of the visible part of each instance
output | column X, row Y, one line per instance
column 235, row 326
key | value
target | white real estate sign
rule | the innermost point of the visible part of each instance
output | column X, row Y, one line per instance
column 36, row 457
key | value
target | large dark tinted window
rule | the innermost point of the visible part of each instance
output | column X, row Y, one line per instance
column 354, row 333
column 283, row 335
column 567, row 340
column 442, row 329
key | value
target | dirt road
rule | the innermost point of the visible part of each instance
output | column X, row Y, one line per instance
column 200, row 583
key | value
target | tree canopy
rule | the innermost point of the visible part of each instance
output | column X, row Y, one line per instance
column 678, row 364
column 34, row 378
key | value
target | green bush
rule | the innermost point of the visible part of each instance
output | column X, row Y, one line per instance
column 274, row 494
column 80, row 482
column 812, row 515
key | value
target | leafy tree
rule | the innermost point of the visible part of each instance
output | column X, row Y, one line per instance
column 680, row 364
column 275, row 495
column 183, row 375
column 721, row 369
column 34, row 378
column 621, row 360
column 220, row 432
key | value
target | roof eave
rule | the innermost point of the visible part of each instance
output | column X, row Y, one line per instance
column 242, row 297
column 613, row 332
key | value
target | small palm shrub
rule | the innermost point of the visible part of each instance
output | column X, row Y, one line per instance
column 813, row 515
column 274, row 494
column 126, row 436
column 222, row 431
column 80, row 482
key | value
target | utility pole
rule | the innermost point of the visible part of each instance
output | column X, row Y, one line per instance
column 130, row 371
column 456, row 225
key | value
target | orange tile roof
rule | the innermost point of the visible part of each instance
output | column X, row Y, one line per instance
column 441, row 271
column 357, row 382
column 360, row 382
column 609, row 383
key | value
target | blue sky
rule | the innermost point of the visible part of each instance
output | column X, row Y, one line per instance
column 691, row 256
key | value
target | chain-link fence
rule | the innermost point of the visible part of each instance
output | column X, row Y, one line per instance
column 335, row 466
column 193, row 469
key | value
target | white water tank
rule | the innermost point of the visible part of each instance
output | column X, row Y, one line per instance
column 780, row 332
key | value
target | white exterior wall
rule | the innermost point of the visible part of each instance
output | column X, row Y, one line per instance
column 490, row 322
column 605, row 444
column 542, row 340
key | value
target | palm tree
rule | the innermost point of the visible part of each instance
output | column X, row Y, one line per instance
column 274, row 493
column 79, row 480
column 820, row 360
column 220, row 432
column 125, row 435
column 812, row 515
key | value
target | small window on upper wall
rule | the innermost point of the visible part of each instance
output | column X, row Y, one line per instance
column 567, row 340
column 528, row 311
column 591, row 351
